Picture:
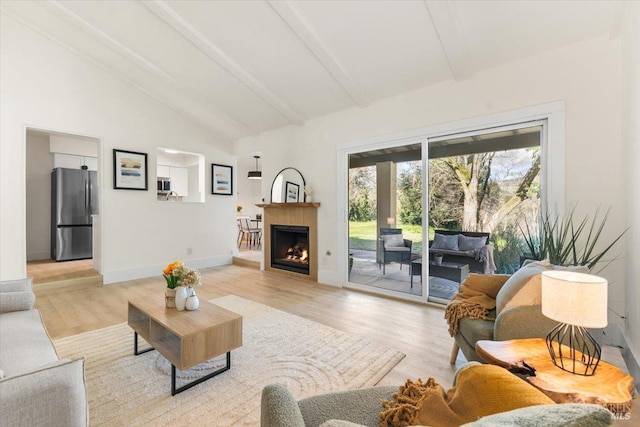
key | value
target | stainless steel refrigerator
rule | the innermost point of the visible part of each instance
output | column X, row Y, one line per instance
column 74, row 198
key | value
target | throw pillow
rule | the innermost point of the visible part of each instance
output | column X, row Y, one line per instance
column 524, row 287
column 444, row 241
column 562, row 415
column 393, row 240
column 480, row 390
column 468, row 243
column 16, row 301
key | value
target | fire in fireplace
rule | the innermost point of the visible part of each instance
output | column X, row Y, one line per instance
column 290, row 248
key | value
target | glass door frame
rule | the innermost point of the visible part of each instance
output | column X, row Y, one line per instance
column 552, row 173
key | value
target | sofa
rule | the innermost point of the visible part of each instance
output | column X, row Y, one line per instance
column 460, row 247
column 359, row 408
column 37, row 388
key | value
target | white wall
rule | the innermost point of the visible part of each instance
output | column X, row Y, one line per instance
column 587, row 76
column 74, row 96
column 38, row 197
column 631, row 140
column 71, row 145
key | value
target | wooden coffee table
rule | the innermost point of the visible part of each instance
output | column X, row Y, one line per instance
column 610, row 386
column 185, row 338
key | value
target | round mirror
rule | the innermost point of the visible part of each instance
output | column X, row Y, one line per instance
column 288, row 187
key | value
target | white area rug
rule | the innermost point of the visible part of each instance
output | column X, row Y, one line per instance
column 307, row 357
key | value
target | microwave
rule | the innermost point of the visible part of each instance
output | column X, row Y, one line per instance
column 164, row 185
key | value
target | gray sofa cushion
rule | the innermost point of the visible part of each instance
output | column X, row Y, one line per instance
column 24, row 343
column 562, row 415
column 477, row 329
column 52, row 396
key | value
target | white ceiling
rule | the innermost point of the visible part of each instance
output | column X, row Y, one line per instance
column 244, row 67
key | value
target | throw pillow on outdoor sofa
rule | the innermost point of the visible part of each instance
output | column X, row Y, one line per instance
column 468, row 243
column 444, row 241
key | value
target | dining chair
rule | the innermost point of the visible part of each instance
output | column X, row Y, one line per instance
column 253, row 235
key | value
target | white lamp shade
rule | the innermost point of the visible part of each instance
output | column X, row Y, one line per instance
column 574, row 298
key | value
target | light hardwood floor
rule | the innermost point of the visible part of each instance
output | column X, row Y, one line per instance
column 47, row 270
column 417, row 330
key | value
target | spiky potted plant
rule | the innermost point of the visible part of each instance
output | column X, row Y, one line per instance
column 564, row 241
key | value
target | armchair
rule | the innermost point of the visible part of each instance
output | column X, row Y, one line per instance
column 393, row 247
column 517, row 313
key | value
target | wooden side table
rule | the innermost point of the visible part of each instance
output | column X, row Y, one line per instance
column 610, row 387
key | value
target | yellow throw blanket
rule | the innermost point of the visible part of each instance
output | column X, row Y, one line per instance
column 480, row 390
column 476, row 298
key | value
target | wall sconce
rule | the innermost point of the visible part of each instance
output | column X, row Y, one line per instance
column 391, row 220
column 577, row 301
column 256, row 174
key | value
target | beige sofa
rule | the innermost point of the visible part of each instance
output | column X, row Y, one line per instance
column 37, row 388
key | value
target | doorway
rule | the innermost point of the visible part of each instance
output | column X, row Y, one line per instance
column 49, row 154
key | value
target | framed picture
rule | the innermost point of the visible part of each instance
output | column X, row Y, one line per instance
column 221, row 179
column 291, row 191
column 129, row 170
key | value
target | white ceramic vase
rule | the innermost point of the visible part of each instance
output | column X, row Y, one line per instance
column 193, row 302
column 181, row 297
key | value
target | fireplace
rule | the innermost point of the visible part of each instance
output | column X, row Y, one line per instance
column 290, row 248
column 299, row 221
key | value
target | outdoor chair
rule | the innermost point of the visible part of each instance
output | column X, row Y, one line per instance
column 394, row 247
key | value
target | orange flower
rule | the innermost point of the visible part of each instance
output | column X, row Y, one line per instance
column 167, row 271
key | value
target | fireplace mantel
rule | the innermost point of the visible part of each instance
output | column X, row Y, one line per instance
column 288, row 205
column 304, row 214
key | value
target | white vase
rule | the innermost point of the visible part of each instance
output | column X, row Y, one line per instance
column 181, row 297
column 309, row 199
column 170, row 297
column 193, row 302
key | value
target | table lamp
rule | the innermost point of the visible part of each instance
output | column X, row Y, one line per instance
column 577, row 301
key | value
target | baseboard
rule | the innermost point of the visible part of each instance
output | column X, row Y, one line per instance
column 37, row 256
column 632, row 365
column 612, row 335
column 110, row 277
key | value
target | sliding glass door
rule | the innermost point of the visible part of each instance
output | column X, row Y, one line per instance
column 400, row 195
